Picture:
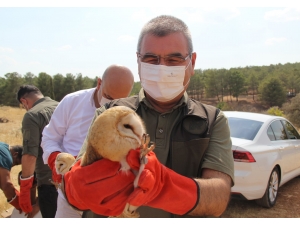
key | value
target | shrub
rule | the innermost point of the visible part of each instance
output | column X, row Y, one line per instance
column 292, row 110
column 223, row 106
column 275, row 111
column 272, row 92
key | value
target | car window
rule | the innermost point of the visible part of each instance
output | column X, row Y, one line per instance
column 278, row 130
column 243, row 128
column 290, row 130
column 271, row 134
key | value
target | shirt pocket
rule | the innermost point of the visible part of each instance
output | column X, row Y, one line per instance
column 26, row 138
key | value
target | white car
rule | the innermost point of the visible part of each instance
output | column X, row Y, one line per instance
column 266, row 151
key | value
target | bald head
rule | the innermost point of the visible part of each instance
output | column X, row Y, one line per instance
column 117, row 82
column 118, row 73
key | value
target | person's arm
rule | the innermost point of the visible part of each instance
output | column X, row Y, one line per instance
column 31, row 141
column 11, row 194
column 28, row 165
column 6, row 185
column 215, row 189
column 53, row 133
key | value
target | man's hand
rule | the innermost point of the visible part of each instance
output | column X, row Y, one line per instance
column 160, row 187
column 101, row 187
column 56, row 178
column 25, row 199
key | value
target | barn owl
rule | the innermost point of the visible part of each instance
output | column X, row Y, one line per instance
column 112, row 135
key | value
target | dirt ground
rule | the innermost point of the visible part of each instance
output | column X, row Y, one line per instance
column 287, row 205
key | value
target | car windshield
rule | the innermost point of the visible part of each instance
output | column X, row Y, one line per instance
column 243, row 128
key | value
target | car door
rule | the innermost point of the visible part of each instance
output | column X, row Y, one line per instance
column 281, row 143
column 294, row 141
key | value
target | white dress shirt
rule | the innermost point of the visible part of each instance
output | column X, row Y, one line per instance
column 69, row 124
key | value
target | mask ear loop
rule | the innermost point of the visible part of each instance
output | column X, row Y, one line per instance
column 190, row 78
column 188, row 64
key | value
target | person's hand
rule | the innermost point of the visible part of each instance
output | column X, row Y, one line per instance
column 15, row 201
column 25, row 198
column 100, row 187
column 35, row 210
column 56, row 178
column 161, row 187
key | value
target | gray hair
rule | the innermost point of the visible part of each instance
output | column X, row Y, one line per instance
column 162, row 26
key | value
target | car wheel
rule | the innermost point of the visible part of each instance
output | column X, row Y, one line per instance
column 270, row 196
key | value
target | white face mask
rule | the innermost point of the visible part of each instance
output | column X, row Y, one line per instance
column 102, row 100
column 162, row 83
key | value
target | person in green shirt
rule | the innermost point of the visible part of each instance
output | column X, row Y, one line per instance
column 39, row 111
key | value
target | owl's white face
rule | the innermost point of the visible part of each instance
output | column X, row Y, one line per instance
column 115, row 132
column 131, row 126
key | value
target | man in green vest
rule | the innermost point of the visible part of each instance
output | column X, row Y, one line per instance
column 190, row 172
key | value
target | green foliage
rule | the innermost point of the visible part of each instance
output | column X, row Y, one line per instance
column 58, row 87
column 30, row 78
column 136, row 88
column 2, row 89
column 82, row 83
column 213, row 84
column 69, row 83
column 292, row 110
column 237, row 81
column 252, row 83
column 272, row 92
column 223, row 106
column 196, row 86
column 12, row 83
column 275, row 111
column 45, row 83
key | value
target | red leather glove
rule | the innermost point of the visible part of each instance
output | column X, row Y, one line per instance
column 161, row 187
column 100, row 187
column 25, row 197
column 51, row 163
column 15, row 201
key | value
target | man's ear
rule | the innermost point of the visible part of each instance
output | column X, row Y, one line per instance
column 194, row 56
column 99, row 81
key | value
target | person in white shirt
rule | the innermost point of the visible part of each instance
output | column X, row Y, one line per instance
column 71, row 119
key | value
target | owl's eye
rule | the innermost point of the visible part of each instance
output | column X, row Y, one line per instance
column 127, row 126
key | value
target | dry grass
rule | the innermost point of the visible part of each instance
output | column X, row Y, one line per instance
column 10, row 133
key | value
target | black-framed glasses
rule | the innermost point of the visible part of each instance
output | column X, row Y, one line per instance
column 170, row 60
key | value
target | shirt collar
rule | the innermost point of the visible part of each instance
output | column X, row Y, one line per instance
column 40, row 100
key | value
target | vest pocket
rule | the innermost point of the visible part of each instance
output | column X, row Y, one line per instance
column 186, row 157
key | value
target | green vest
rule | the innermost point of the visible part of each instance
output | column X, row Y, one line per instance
column 189, row 137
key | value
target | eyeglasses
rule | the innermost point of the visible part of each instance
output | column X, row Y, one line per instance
column 170, row 60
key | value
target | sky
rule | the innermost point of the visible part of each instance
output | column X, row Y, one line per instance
column 86, row 37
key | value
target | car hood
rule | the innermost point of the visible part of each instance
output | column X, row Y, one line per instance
column 239, row 142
